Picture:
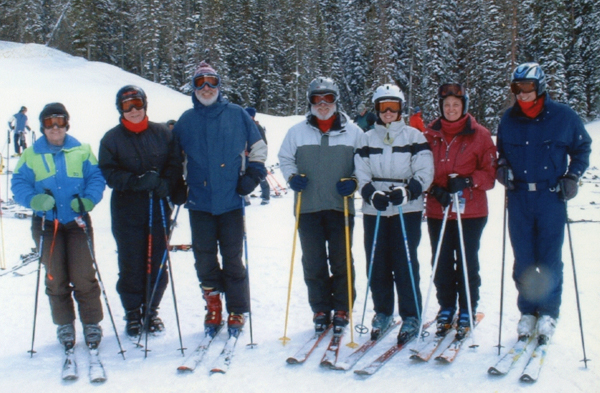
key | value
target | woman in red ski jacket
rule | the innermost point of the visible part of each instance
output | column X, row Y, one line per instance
column 464, row 160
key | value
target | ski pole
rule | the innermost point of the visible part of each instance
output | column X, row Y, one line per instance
column 351, row 344
column 168, row 233
column 585, row 359
column 148, row 273
column 409, row 260
column 82, row 224
column 7, row 164
column 464, row 265
column 37, row 285
column 362, row 329
column 285, row 339
column 3, row 257
column 436, row 259
column 502, row 270
column 252, row 344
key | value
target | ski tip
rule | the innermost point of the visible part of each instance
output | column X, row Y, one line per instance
column 526, row 378
column 362, row 373
column 184, row 369
column 217, row 371
column 494, row 371
column 292, row 361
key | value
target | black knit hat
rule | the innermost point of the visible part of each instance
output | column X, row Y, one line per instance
column 55, row 108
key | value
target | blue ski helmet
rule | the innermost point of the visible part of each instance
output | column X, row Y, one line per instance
column 531, row 72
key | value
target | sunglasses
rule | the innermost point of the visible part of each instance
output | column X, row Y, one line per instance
column 129, row 103
column 451, row 89
column 522, row 87
column 55, row 120
column 328, row 98
column 390, row 105
column 212, row 81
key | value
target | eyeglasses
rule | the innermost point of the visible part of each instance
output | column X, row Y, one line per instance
column 523, row 87
column 451, row 89
column 211, row 80
column 328, row 98
column 55, row 120
column 129, row 103
column 388, row 105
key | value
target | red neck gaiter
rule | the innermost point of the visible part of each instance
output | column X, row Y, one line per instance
column 451, row 128
column 532, row 108
column 135, row 127
column 325, row 125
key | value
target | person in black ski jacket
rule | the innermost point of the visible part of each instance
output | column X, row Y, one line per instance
column 138, row 160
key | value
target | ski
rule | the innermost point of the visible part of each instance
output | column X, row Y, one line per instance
column 503, row 366
column 536, row 361
column 333, row 349
column 26, row 259
column 304, row 352
column 69, row 369
column 96, row 372
column 179, row 247
column 425, row 349
column 376, row 364
column 349, row 362
column 451, row 351
column 222, row 363
column 192, row 361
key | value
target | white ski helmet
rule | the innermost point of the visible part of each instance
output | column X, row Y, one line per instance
column 388, row 91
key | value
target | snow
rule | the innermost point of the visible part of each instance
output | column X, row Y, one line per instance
column 33, row 75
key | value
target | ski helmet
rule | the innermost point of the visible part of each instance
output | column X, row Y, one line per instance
column 389, row 91
column 453, row 89
column 54, row 108
column 531, row 72
column 128, row 92
column 322, row 85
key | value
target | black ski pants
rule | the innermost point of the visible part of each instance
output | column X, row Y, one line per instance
column 224, row 233
column 390, row 265
column 323, row 239
column 449, row 277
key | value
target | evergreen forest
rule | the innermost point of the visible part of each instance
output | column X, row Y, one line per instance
column 267, row 51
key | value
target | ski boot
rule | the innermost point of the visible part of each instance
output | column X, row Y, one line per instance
column 464, row 324
column 93, row 334
column 526, row 326
column 546, row 325
column 340, row 321
column 155, row 324
column 321, row 320
column 133, row 328
column 214, row 307
column 381, row 323
column 444, row 321
column 66, row 335
column 409, row 330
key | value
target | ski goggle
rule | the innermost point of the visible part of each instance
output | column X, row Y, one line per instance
column 522, row 87
column 130, row 103
column 212, row 81
column 55, row 120
column 389, row 105
column 328, row 98
column 451, row 89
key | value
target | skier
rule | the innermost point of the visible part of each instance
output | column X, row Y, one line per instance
column 137, row 159
column 317, row 158
column 265, row 189
column 18, row 123
column 393, row 166
column 58, row 194
column 215, row 135
column 416, row 120
column 543, row 151
column 464, row 158
column 364, row 119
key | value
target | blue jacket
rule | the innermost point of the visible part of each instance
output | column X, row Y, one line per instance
column 72, row 170
column 19, row 123
column 215, row 139
column 543, row 149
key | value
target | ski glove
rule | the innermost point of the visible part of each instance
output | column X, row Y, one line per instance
column 146, row 182
column 88, row 205
column 162, row 189
column 298, row 182
column 180, row 192
column 441, row 195
column 568, row 186
column 380, row 201
column 504, row 174
column 346, row 187
column 399, row 196
column 42, row 202
column 415, row 189
column 456, row 184
column 249, row 180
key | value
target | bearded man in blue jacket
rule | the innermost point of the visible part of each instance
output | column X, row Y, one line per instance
column 225, row 161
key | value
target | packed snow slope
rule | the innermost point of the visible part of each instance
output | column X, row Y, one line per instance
column 33, row 75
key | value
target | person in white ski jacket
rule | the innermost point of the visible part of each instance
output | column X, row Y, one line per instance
column 394, row 165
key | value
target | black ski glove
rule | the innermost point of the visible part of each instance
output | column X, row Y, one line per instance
column 146, row 182
column 504, row 174
column 399, row 196
column 441, row 195
column 415, row 189
column 346, row 187
column 380, row 201
column 568, row 186
column 298, row 182
column 456, row 184
column 162, row 189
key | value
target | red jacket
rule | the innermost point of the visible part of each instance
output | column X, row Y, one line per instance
column 416, row 121
column 470, row 153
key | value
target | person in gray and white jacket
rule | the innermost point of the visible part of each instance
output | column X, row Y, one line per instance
column 317, row 158
column 394, row 165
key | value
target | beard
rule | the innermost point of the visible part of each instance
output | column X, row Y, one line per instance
column 318, row 115
column 206, row 101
